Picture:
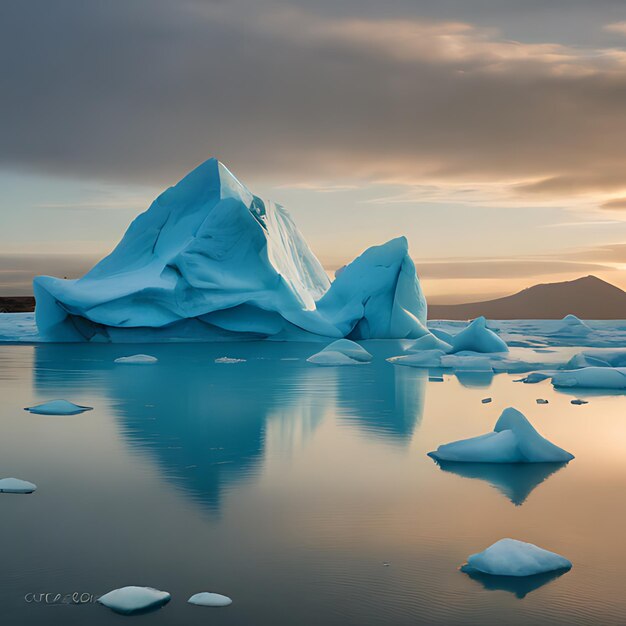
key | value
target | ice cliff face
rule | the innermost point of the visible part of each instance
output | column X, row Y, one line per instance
column 209, row 260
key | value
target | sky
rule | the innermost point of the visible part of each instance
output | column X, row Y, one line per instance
column 492, row 133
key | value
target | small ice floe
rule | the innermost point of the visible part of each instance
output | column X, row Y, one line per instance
column 533, row 378
column 592, row 378
column 486, row 400
column 478, row 338
column 131, row 600
column 513, row 440
column 58, row 407
column 429, row 342
column 137, row 359
column 541, row 401
column 386, row 563
column 579, row 401
column 425, row 358
column 510, row 557
column 572, row 325
column 227, row 359
column 435, row 379
column 16, row 485
column 206, row 598
column 341, row 352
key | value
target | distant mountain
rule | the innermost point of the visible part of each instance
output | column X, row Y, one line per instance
column 588, row 298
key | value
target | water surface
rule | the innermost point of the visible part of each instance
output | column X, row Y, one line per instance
column 288, row 487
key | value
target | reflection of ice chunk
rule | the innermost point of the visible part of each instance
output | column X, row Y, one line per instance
column 227, row 359
column 210, row 260
column 514, row 440
column 514, row 480
column 510, row 557
column 592, row 378
column 341, row 352
column 16, row 485
column 467, row 362
column 533, row 378
column 210, row 599
column 58, row 407
column 478, row 338
column 137, row 359
column 130, row 600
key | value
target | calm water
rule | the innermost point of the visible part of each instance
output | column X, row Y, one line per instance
column 287, row 486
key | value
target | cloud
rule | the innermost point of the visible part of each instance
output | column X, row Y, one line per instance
column 142, row 91
column 616, row 27
column 614, row 204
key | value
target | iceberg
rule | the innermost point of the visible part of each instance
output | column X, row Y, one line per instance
column 137, row 359
column 478, row 338
column 513, row 440
column 592, row 378
column 425, row 358
column 58, row 407
column 132, row 600
column 510, row 557
column 209, row 599
column 429, row 342
column 16, row 485
column 211, row 261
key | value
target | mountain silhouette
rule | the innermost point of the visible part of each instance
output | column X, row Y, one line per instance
column 588, row 298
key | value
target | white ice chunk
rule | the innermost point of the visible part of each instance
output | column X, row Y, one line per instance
column 478, row 338
column 514, row 440
column 129, row 600
column 227, row 359
column 510, row 557
column 137, row 359
column 592, row 378
column 330, row 357
column 206, row 598
column 16, row 485
column 58, row 407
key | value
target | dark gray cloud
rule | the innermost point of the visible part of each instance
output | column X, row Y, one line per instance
column 143, row 90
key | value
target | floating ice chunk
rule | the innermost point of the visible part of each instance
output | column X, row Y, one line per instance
column 533, row 378
column 478, row 338
column 583, row 359
column 227, row 359
column 425, row 358
column 541, row 401
column 510, row 557
column 137, row 359
column 16, row 485
column 429, row 342
column 58, row 407
column 209, row 599
column 579, row 401
column 467, row 362
column 129, row 600
column 341, row 352
column 571, row 325
column 592, row 378
column 486, row 400
column 349, row 348
column 442, row 334
column 514, row 440
column 435, row 379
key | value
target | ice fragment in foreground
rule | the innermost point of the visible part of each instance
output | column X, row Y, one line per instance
column 227, row 359
column 579, row 401
column 514, row 440
column 58, row 407
column 15, row 485
column 510, row 557
column 129, row 600
column 486, row 400
column 541, row 401
column 209, row 599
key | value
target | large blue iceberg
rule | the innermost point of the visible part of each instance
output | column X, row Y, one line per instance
column 210, row 261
